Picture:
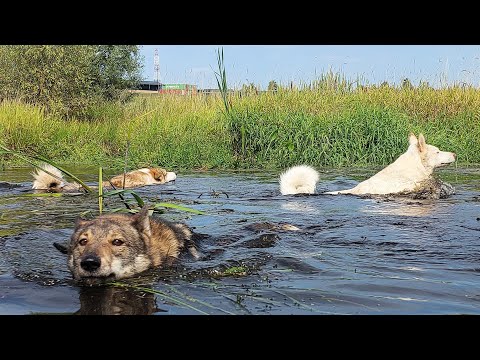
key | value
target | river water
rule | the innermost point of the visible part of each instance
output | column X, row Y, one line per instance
column 350, row 255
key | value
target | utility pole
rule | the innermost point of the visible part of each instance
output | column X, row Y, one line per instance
column 156, row 68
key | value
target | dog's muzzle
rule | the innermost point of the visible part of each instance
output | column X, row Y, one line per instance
column 90, row 263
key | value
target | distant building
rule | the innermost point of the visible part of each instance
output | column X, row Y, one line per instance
column 148, row 85
column 181, row 89
column 153, row 86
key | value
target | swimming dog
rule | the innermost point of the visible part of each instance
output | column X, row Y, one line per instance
column 117, row 246
column 49, row 178
column 410, row 172
column 300, row 179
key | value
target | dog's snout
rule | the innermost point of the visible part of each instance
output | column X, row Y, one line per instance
column 90, row 263
column 454, row 155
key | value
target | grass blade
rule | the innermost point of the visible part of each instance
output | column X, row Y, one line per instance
column 44, row 159
column 141, row 203
column 100, row 190
column 178, row 207
column 43, row 195
column 163, row 294
column 139, row 200
column 27, row 158
column 116, row 192
column 119, row 192
column 192, row 299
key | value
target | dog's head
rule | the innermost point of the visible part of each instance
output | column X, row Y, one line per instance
column 162, row 175
column 55, row 186
column 430, row 155
column 59, row 187
column 109, row 247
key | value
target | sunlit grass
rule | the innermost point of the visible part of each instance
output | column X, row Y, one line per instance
column 176, row 133
column 353, row 128
column 328, row 123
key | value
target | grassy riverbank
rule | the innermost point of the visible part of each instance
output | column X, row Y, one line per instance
column 322, row 127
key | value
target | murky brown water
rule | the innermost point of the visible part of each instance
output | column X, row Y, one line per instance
column 351, row 255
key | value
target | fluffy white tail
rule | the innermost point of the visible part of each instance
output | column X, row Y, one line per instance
column 45, row 181
column 301, row 179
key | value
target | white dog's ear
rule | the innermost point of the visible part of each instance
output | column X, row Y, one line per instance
column 422, row 145
column 412, row 139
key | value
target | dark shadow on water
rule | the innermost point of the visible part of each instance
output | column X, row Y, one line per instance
column 111, row 300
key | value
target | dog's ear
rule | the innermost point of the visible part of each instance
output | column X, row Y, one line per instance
column 158, row 173
column 62, row 248
column 141, row 221
column 80, row 222
column 422, row 145
column 412, row 139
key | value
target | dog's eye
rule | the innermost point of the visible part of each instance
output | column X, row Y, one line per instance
column 83, row 241
column 117, row 242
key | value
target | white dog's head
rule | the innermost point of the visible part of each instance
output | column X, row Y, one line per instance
column 430, row 155
column 171, row 176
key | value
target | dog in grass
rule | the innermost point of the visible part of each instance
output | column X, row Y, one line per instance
column 411, row 172
column 117, row 246
column 50, row 179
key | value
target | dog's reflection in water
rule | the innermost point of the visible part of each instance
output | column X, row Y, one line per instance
column 111, row 300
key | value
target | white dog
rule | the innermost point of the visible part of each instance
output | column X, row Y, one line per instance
column 409, row 173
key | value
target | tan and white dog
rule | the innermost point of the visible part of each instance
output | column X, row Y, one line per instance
column 410, row 173
column 50, row 179
column 141, row 177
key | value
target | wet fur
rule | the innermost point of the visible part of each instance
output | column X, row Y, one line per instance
column 141, row 177
column 50, row 179
column 411, row 172
column 147, row 243
column 300, row 179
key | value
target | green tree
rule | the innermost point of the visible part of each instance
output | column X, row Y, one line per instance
column 67, row 79
column 116, row 68
column 58, row 77
column 406, row 84
column 272, row 86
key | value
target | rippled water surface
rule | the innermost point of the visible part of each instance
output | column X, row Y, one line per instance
column 350, row 255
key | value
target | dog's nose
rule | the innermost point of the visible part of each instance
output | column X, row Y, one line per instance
column 90, row 263
column 454, row 155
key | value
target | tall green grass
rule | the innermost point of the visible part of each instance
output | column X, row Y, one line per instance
column 336, row 126
column 329, row 123
column 176, row 133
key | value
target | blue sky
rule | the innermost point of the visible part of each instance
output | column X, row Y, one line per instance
column 195, row 64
